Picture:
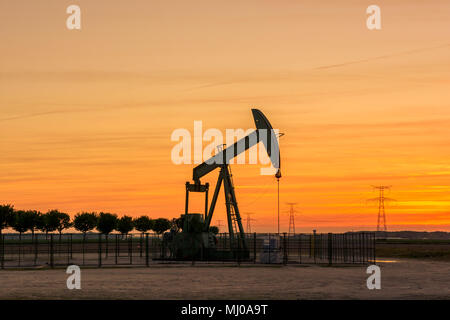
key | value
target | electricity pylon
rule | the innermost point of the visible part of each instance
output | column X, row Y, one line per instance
column 219, row 224
column 248, row 219
column 291, row 217
column 381, row 199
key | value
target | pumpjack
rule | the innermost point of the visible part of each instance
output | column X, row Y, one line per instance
column 195, row 241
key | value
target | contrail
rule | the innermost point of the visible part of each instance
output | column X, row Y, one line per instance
column 381, row 57
column 337, row 65
column 216, row 84
column 37, row 114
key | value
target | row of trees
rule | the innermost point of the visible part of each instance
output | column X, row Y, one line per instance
column 54, row 220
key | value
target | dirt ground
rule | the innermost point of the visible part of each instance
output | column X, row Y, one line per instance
column 404, row 279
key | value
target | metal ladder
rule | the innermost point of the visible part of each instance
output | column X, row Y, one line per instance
column 233, row 215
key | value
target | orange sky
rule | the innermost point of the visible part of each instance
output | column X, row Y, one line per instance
column 86, row 116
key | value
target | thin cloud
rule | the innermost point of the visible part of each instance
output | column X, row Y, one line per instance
column 399, row 54
column 324, row 67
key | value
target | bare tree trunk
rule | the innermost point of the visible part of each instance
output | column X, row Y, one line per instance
column 20, row 246
column 59, row 241
column 84, row 239
column 140, row 244
column 35, row 243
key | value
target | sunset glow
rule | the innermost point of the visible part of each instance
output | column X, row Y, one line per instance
column 86, row 116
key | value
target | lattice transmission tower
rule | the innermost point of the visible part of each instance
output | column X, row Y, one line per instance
column 219, row 224
column 249, row 220
column 291, row 217
column 381, row 200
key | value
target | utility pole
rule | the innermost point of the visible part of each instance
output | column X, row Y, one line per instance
column 291, row 217
column 278, row 176
column 381, row 199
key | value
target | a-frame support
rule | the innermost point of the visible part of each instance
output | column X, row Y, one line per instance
column 236, row 241
column 237, row 237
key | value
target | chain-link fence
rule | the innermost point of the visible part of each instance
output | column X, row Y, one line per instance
column 97, row 250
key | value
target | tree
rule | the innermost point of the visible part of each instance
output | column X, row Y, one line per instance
column 160, row 225
column 125, row 225
column 177, row 224
column 63, row 222
column 85, row 221
column 6, row 216
column 50, row 221
column 143, row 224
column 107, row 222
column 40, row 222
column 20, row 222
column 33, row 217
column 214, row 229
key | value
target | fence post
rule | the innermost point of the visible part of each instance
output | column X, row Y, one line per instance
column 284, row 249
column 35, row 244
column 141, row 239
column 130, row 248
column 84, row 240
column 364, row 247
column 360, row 247
column 68, row 251
column 99, row 250
column 3, row 251
column 192, row 250
column 330, row 248
column 116, row 249
column 239, row 250
column 51, row 251
column 344, row 247
column 300, row 248
column 374, row 249
column 313, row 242
column 353, row 246
column 254, row 247
column 146, row 251
column 20, row 247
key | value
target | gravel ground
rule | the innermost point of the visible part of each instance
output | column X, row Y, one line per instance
column 403, row 279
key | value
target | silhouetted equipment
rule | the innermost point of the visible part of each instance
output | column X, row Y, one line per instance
column 198, row 242
column 381, row 199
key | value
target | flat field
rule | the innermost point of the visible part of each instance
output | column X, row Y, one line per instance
column 420, row 249
column 403, row 279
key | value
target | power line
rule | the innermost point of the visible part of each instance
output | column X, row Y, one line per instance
column 278, row 176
